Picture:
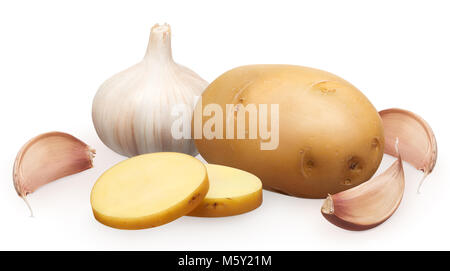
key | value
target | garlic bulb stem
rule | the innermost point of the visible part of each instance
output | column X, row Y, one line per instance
column 159, row 44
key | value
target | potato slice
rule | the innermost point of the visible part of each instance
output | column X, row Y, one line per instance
column 149, row 190
column 231, row 192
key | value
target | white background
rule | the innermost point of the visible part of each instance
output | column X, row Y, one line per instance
column 55, row 54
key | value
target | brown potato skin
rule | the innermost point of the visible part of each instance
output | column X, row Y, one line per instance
column 330, row 135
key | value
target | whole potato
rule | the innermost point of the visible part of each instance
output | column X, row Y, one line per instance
column 330, row 135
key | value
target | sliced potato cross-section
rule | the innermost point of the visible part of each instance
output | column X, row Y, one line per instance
column 231, row 192
column 149, row 190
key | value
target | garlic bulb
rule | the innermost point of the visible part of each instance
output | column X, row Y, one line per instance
column 136, row 111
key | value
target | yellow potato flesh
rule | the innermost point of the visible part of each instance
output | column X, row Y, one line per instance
column 331, row 137
column 231, row 192
column 149, row 190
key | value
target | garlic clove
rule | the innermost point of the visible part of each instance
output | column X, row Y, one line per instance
column 49, row 157
column 368, row 204
column 418, row 143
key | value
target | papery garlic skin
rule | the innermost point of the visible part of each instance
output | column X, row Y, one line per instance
column 368, row 204
column 418, row 143
column 49, row 157
column 133, row 110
